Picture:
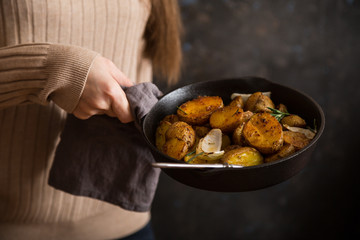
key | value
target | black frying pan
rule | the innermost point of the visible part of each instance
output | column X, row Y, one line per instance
column 239, row 179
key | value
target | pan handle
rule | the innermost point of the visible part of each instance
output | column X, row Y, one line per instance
column 192, row 166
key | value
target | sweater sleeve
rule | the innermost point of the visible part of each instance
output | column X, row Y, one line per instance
column 43, row 72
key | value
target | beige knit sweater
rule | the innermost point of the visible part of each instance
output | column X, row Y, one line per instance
column 46, row 50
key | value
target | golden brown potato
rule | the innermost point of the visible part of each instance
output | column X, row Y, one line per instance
column 298, row 140
column 226, row 118
column 160, row 138
column 281, row 107
column 244, row 156
column 263, row 132
column 171, row 118
column 293, row 121
column 201, row 131
column 258, row 102
column 181, row 131
column 237, row 137
column 237, row 102
column 198, row 111
column 231, row 147
column 175, row 148
column 284, row 151
column 245, row 116
column 225, row 141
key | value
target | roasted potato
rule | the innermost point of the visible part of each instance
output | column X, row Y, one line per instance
column 263, row 132
column 237, row 137
column 298, row 140
column 181, row 131
column 231, row 147
column 237, row 102
column 160, row 138
column 175, row 148
column 281, row 107
column 171, row 118
column 226, row 118
column 198, row 111
column 293, row 121
column 244, row 156
column 258, row 102
column 245, row 116
column 284, row 151
column 225, row 141
column 201, row 131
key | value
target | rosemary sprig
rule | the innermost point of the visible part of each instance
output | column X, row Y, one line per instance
column 278, row 114
column 181, row 110
column 190, row 153
column 195, row 156
column 237, row 110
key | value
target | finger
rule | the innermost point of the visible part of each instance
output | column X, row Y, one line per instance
column 84, row 111
column 81, row 115
column 110, row 113
column 121, row 106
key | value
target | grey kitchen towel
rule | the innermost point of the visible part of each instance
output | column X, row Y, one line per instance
column 105, row 159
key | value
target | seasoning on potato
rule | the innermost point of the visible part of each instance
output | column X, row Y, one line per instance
column 226, row 118
column 248, row 131
column 264, row 133
column 198, row 111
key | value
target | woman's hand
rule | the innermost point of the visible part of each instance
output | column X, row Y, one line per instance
column 103, row 93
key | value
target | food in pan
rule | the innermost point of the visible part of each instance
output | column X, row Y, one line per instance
column 248, row 131
column 198, row 111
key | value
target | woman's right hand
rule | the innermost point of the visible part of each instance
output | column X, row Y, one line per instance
column 103, row 93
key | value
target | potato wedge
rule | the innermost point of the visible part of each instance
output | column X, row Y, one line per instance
column 258, row 102
column 237, row 137
column 160, row 137
column 264, row 132
column 171, row 118
column 201, row 131
column 225, row 141
column 244, row 156
column 298, row 140
column 293, row 121
column 237, row 102
column 181, row 131
column 175, row 148
column 281, row 107
column 284, row 151
column 198, row 111
column 231, row 147
column 226, row 118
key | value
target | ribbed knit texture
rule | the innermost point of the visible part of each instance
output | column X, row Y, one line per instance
column 46, row 50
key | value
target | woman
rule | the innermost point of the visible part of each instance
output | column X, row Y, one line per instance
column 59, row 57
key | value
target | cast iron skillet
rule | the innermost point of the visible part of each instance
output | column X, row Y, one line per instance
column 247, row 178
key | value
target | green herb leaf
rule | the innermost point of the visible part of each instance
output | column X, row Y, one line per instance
column 190, row 153
column 195, row 156
column 237, row 110
column 278, row 114
column 182, row 110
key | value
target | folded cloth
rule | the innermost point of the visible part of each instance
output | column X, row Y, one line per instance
column 105, row 159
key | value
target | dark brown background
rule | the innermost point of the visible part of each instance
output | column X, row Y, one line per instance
column 310, row 45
